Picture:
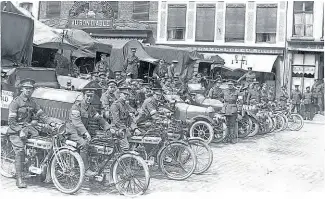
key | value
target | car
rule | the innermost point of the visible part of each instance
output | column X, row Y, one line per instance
column 204, row 122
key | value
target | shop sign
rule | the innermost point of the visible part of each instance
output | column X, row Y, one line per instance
column 85, row 23
column 239, row 50
column 6, row 98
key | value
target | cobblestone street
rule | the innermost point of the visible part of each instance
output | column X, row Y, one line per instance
column 284, row 161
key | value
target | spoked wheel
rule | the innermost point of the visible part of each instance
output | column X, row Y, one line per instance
column 255, row 127
column 273, row 126
column 269, row 126
column 244, row 127
column 131, row 175
column 67, row 171
column 204, row 155
column 203, row 130
column 177, row 161
column 295, row 122
column 280, row 122
column 220, row 132
column 7, row 168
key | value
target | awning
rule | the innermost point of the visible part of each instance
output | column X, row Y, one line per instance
column 260, row 63
column 304, row 69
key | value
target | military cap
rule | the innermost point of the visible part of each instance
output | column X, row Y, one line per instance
column 125, row 90
column 307, row 87
column 112, row 82
column 117, row 71
column 91, row 87
column 296, row 85
column 27, row 83
column 157, row 90
column 94, row 73
column 102, row 75
column 133, row 49
column 174, row 61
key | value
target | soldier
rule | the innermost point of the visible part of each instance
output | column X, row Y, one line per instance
column 149, row 107
column 77, row 126
column 108, row 98
column 296, row 99
column 95, row 76
column 160, row 70
column 320, row 96
column 216, row 92
column 270, row 94
column 22, row 110
column 284, row 96
column 127, row 81
column 75, row 70
column 122, row 119
column 118, row 76
column 254, row 95
column 132, row 64
column 229, row 108
column 171, row 69
column 102, row 81
column 103, row 66
column 264, row 93
column 308, row 99
column 250, row 77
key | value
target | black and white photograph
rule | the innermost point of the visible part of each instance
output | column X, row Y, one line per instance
column 162, row 99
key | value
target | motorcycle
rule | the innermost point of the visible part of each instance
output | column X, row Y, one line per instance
column 49, row 157
column 174, row 158
column 127, row 171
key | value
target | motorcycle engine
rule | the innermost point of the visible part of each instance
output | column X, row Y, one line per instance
column 102, row 147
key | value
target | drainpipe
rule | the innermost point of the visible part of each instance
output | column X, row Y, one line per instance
column 286, row 61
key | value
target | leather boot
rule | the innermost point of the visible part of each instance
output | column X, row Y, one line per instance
column 19, row 170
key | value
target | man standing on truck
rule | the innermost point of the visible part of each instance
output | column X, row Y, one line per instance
column 21, row 112
column 132, row 64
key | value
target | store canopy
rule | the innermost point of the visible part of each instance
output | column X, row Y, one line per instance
column 184, row 57
column 122, row 49
column 260, row 63
column 16, row 35
column 87, row 46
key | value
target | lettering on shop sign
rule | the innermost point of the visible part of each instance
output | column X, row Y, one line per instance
column 6, row 98
column 239, row 50
column 78, row 23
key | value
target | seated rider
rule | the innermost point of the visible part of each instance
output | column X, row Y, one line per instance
column 79, row 116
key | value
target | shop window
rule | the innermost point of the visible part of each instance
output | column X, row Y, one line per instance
column 53, row 9
column 176, row 22
column 303, row 70
column 266, row 22
column 141, row 10
column 235, row 23
column 303, row 18
column 205, row 22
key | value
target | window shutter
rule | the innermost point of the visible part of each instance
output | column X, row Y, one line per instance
column 176, row 16
column 205, row 22
column 235, row 21
column 141, row 10
column 266, row 18
column 53, row 9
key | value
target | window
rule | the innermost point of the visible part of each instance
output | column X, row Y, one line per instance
column 303, row 18
column 235, row 23
column 114, row 5
column 53, row 9
column 176, row 22
column 205, row 22
column 141, row 10
column 303, row 70
column 27, row 6
column 266, row 22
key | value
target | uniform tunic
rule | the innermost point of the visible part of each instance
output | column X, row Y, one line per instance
column 215, row 93
column 148, row 108
column 131, row 64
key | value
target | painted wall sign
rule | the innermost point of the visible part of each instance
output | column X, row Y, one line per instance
column 239, row 50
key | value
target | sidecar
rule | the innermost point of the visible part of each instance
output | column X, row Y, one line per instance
column 204, row 122
column 196, row 88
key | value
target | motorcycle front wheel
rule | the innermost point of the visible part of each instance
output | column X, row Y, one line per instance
column 202, row 129
column 67, row 171
column 177, row 161
column 280, row 122
column 244, row 127
column 295, row 122
column 255, row 128
column 204, row 155
column 7, row 168
column 130, row 175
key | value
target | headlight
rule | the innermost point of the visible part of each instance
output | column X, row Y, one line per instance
column 61, row 128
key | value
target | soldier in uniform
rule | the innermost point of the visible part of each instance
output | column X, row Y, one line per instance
column 308, row 99
column 171, row 69
column 284, row 96
column 216, row 92
column 22, row 110
column 95, row 76
column 127, row 81
column 103, row 66
column 122, row 117
column 102, row 81
column 264, row 93
column 149, row 107
column 270, row 94
column 254, row 95
column 160, row 70
column 320, row 96
column 77, row 126
column 296, row 97
column 108, row 98
column 118, row 77
column 132, row 64
column 250, row 77
column 229, row 108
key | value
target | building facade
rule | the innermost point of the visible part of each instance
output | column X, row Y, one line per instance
column 244, row 34
column 305, row 47
column 104, row 19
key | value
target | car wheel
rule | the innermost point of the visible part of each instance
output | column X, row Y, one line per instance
column 202, row 129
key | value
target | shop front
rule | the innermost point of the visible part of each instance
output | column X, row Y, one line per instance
column 307, row 63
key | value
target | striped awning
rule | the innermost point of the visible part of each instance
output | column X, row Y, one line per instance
column 304, row 70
